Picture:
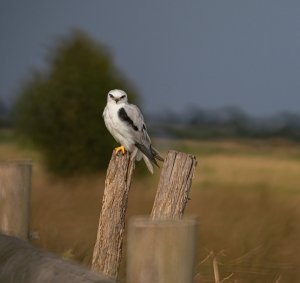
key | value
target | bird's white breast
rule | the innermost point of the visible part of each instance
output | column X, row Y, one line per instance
column 118, row 129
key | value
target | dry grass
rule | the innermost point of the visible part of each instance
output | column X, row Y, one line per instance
column 246, row 195
column 249, row 172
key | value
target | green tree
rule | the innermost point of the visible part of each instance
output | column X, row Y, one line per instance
column 2, row 113
column 60, row 109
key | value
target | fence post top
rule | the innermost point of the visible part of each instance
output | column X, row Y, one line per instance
column 146, row 221
column 16, row 162
column 172, row 151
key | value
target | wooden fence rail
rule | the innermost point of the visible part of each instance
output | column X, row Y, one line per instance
column 20, row 262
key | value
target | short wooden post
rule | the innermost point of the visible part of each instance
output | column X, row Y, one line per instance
column 108, row 247
column 15, row 187
column 161, row 251
column 174, row 185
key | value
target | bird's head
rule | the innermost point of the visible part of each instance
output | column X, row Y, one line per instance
column 117, row 96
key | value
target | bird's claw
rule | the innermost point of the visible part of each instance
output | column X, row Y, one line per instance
column 120, row 148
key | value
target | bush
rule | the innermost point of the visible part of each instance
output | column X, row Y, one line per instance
column 60, row 110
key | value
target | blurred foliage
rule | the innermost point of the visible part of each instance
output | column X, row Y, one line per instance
column 3, row 115
column 227, row 122
column 60, row 109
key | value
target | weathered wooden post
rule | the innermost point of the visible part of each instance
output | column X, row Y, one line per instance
column 174, row 185
column 15, row 187
column 108, row 247
column 161, row 251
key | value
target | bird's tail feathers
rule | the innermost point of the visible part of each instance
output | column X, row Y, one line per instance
column 149, row 155
column 148, row 163
column 156, row 154
column 148, row 152
column 138, row 155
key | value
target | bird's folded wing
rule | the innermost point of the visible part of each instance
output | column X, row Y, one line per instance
column 136, row 120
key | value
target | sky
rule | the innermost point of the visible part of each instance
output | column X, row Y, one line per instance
column 178, row 54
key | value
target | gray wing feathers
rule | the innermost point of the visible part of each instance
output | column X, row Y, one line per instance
column 134, row 113
column 141, row 137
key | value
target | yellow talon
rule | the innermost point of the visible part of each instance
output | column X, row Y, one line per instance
column 120, row 148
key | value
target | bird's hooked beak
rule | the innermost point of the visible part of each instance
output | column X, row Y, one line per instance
column 116, row 99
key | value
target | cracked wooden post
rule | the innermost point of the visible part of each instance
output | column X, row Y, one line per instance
column 174, row 185
column 15, row 187
column 108, row 246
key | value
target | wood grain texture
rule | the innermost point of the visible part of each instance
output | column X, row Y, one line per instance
column 15, row 188
column 108, row 247
column 174, row 185
column 161, row 251
column 20, row 262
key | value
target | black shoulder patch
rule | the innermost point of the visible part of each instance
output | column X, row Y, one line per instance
column 124, row 117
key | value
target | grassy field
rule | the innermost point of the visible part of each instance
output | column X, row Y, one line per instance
column 246, row 195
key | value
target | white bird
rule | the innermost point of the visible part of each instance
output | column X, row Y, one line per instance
column 126, row 124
